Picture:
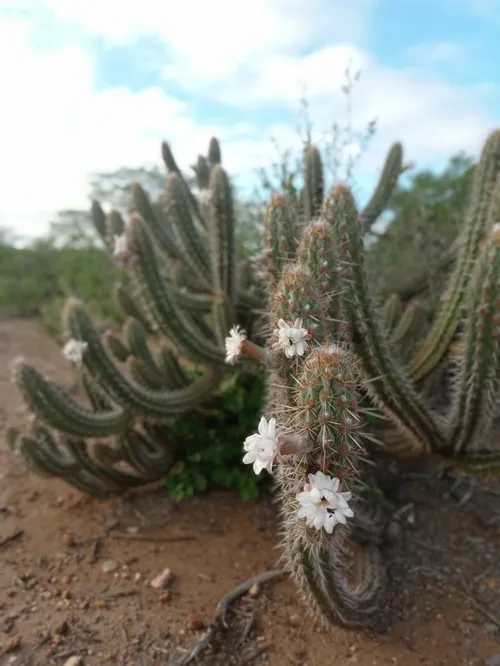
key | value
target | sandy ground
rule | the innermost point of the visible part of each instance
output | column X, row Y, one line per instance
column 75, row 578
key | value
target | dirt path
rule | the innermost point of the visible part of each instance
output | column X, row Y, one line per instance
column 69, row 587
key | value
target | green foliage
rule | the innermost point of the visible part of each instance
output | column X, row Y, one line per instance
column 212, row 455
column 32, row 277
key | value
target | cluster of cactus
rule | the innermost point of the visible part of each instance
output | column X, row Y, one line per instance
column 352, row 349
column 184, row 289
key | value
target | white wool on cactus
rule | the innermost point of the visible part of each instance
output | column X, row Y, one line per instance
column 74, row 350
column 120, row 247
column 262, row 447
column 292, row 337
column 234, row 341
column 321, row 503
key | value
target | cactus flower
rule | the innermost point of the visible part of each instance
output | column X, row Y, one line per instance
column 234, row 341
column 74, row 350
column 292, row 337
column 262, row 447
column 321, row 503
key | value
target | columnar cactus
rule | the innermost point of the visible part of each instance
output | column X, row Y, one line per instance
column 181, row 295
column 330, row 346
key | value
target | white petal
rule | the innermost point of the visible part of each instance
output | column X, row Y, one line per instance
column 340, row 518
column 271, row 428
column 335, row 484
column 290, row 351
column 305, row 497
column 319, row 520
column 249, row 457
column 263, row 427
column 315, row 495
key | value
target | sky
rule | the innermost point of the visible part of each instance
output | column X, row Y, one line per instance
column 94, row 85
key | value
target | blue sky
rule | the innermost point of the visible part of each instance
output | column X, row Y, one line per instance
column 87, row 89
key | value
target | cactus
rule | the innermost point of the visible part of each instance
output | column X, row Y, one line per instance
column 328, row 347
column 331, row 346
column 180, row 297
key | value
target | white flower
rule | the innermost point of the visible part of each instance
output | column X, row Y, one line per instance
column 262, row 447
column 292, row 337
column 321, row 503
column 74, row 350
column 120, row 249
column 234, row 341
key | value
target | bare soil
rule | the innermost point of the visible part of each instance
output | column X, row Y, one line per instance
column 70, row 585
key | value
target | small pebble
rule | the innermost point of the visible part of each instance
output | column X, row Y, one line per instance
column 194, row 623
column 69, row 541
column 254, row 590
column 493, row 660
column 109, row 566
column 12, row 644
column 75, row 660
column 162, row 580
column 164, row 598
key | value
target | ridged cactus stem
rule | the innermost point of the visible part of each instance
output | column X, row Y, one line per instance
column 477, row 392
column 385, row 381
column 476, row 227
column 385, row 188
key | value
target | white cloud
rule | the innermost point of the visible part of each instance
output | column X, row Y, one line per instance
column 209, row 41
column 56, row 128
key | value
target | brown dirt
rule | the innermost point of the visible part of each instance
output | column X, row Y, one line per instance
column 56, row 599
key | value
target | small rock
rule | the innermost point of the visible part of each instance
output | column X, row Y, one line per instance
column 102, row 604
column 137, row 577
column 12, row 644
column 254, row 590
column 194, row 623
column 62, row 628
column 493, row 660
column 109, row 566
column 164, row 598
column 294, row 620
column 69, row 541
column 162, row 580
column 75, row 660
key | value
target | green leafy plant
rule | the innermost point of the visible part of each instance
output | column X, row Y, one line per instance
column 212, row 458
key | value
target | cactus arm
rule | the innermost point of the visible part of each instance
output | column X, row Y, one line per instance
column 157, row 224
column 475, row 228
column 172, row 372
column 57, row 408
column 119, row 350
column 221, row 225
column 158, row 405
column 387, row 383
column 314, row 186
column 180, row 214
column 477, row 392
column 129, row 307
column 385, row 187
column 392, row 311
column 178, row 327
